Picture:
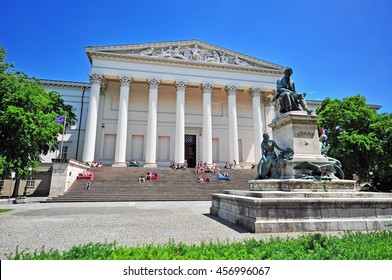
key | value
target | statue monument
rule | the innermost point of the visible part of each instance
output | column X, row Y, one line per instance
column 289, row 99
column 270, row 163
column 301, row 189
column 295, row 127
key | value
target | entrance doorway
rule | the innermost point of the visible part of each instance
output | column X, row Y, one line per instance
column 190, row 150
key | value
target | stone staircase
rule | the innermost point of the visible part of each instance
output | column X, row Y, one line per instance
column 121, row 184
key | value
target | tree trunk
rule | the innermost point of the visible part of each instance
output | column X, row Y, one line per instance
column 15, row 193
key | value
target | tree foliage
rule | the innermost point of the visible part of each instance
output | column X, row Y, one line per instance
column 359, row 137
column 27, row 120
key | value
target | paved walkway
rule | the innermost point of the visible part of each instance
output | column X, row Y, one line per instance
column 34, row 225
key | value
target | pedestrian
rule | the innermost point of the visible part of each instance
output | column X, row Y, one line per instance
column 87, row 186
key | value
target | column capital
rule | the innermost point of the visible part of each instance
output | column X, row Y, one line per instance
column 153, row 83
column 267, row 97
column 95, row 78
column 125, row 81
column 255, row 92
column 207, row 88
column 231, row 90
column 181, row 85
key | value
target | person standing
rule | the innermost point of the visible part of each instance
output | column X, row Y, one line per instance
column 87, row 186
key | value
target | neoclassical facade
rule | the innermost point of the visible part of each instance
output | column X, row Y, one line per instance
column 181, row 101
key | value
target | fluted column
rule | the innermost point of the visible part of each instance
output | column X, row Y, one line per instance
column 92, row 118
column 233, row 127
column 257, row 122
column 179, row 152
column 207, row 124
column 122, row 124
column 151, row 142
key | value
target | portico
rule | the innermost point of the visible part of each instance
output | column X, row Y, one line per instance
column 144, row 105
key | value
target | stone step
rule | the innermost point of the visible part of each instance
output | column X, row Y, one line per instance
column 121, row 184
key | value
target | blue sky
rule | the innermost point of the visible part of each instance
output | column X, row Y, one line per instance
column 337, row 48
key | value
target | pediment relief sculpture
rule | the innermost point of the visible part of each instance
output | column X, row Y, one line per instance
column 191, row 53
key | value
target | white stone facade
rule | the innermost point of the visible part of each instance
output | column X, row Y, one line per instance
column 183, row 101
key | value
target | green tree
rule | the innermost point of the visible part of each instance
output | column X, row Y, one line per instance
column 383, row 162
column 359, row 137
column 27, row 121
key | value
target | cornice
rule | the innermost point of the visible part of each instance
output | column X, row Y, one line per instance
column 318, row 103
column 66, row 84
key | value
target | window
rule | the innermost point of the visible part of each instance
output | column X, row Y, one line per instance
column 31, row 183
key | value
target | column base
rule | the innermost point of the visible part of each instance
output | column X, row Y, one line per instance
column 119, row 164
column 151, row 165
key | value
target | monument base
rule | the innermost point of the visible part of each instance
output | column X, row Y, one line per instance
column 297, row 130
column 288, row 208
column 292, row 185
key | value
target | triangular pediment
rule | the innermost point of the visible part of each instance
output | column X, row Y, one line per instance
column 190, row 51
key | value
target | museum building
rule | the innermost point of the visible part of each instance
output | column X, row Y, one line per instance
column 180, row 101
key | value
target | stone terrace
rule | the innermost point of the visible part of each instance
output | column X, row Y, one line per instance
column 121, row 184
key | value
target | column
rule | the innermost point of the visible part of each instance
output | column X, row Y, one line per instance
column 151, row 142
column 257, row 122
column 269, row 111
column 122, row 123
column 92, row 118
column 179, row 152
column 207, row 124
column 233, row 129
column 263, row 115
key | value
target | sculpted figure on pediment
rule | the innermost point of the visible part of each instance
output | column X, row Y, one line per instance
column 238, row 61
column 166, row 53
column 192, row 53
column 178, row 54
column 148, row 51
column 215, row 57
column 223, row 58
column 195, row 52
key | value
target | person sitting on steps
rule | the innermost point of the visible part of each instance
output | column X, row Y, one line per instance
column 142, row 179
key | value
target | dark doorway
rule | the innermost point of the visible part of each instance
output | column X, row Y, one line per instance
column 190, row 150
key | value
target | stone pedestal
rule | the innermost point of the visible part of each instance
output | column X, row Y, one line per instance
column 64, row 173
column 297, row 130
column 300, row 185
column 275, row 211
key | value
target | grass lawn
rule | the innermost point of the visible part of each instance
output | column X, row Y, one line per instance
column 313, row 246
